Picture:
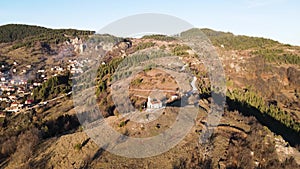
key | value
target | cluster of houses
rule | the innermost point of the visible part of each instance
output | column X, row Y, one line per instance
column 17, row 106
column 78, row 45
column 14, row 91
column 75, row 66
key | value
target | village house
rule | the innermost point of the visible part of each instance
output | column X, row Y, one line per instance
column 37, row 84
column 20, row 106
column 2, row 114
column 174, row 97
column 154, row 103
column 28, row 102
column 4, row 99
column 8, row 88
column 21, row 90
column 60, row 69
column 12, row 109
column 14, row 104
column 12, row 97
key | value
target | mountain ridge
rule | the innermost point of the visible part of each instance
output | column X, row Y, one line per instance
column 211, row 33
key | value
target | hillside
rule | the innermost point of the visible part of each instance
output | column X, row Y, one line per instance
column 260, row 127
column 25, row 49
column 18, row 32
column 237, row 42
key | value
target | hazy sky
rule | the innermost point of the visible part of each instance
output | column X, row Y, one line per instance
column 276, row 19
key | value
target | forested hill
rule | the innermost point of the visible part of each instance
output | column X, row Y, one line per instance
column 14, row 32
column 238, row 42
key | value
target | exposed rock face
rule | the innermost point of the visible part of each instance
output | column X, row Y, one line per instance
column 78, row 45
column 124, row 45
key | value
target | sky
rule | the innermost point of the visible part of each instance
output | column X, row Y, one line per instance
column 275, row 19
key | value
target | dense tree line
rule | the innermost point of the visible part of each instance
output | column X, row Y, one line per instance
column 124, row 67
column 251, row 98
column 237, row 42
column 229, row 40
column 27, row 35
column 180, row 50
column 98, row 38
column 159, row 37
column 53, row 87
column 106, row 70
column 12, row 32
column 278, row 55
column 144, row 45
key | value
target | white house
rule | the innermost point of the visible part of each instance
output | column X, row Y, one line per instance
column 37, row 84
column 154, row 103
column 174, row 97
column 14, row 104
column 12, row 97
column 4, row 99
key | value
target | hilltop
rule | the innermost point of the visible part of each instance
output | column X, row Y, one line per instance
column 259, row 128
column 18, row 32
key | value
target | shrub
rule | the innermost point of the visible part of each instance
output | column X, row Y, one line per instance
column 159, row 37
column 277, row 55
column 180, row 50
column 122, row 124
column 78, row 146
column 144, row 45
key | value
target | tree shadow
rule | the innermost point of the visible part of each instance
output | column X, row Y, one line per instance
column 99, row 152
column 85, row 142
column 288, row 134
column 64, row 124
